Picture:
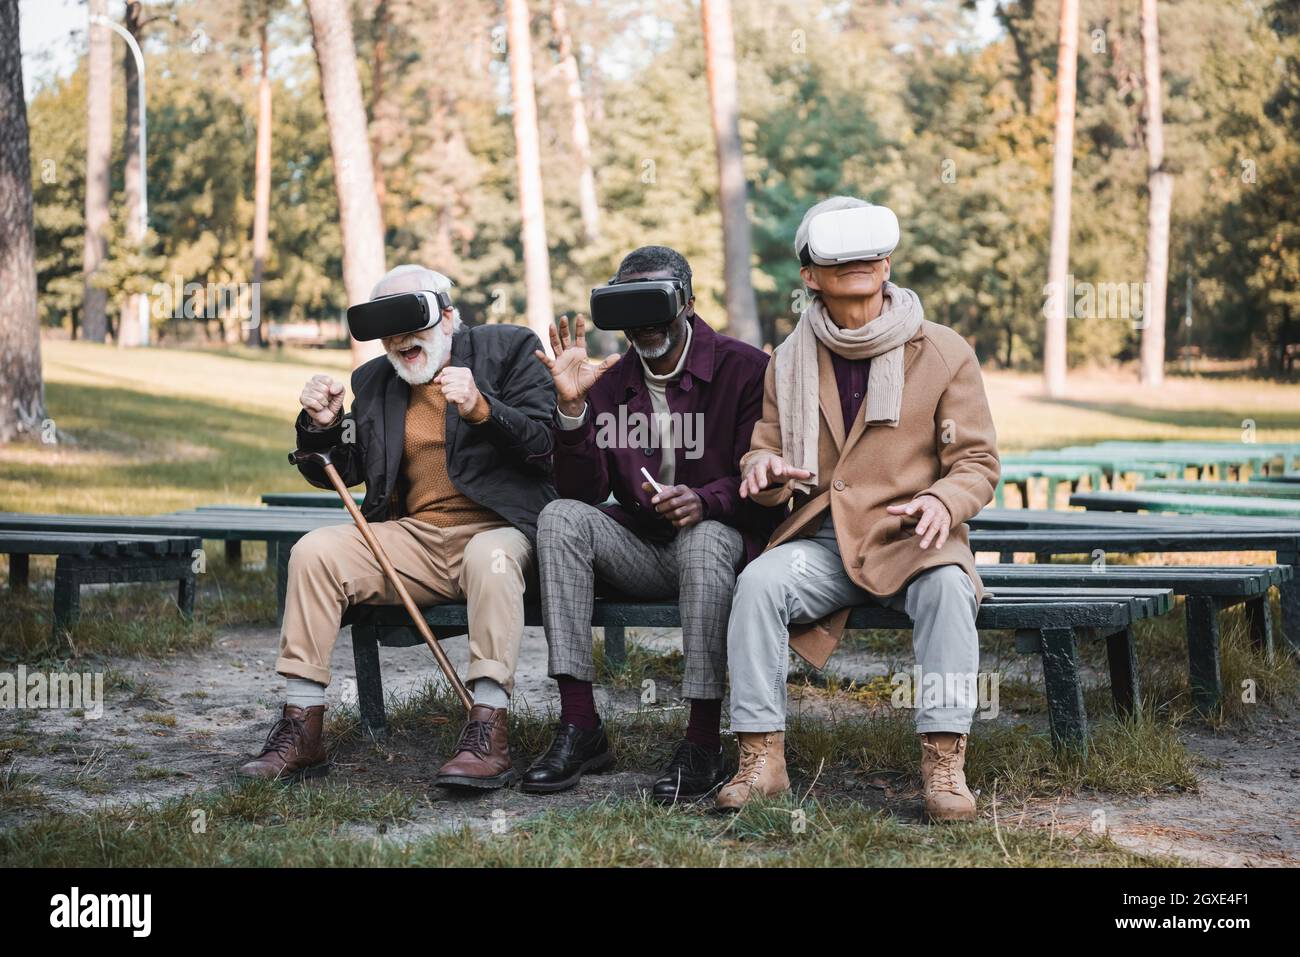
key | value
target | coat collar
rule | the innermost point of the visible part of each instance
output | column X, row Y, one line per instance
column 699, row 361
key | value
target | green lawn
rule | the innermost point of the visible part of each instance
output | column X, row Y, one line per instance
column 156, row 430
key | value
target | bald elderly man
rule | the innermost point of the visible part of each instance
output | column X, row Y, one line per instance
column 450, row 430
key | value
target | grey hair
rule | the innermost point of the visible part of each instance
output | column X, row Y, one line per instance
column 429, row 279
column 825, row 206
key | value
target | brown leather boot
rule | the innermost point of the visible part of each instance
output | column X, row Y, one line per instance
column 761, row 773
column 482, row 758
column 294, row 747
column 943, row 778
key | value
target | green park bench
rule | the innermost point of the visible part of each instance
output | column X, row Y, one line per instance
column 278, row 528
column 1284, row 478
column 1257, row 454
column 1020, row 475
column 1049, row 622
column 1198, row 505
column 307, row 499
column 87, row 558
column 1206, row 590
column 1113, row 466
column 1241, row 489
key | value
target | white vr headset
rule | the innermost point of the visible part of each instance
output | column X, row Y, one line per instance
column 850, row 235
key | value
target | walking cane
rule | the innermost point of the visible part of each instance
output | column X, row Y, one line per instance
column 298, row 457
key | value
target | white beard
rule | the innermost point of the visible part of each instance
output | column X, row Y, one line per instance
column 435, row 351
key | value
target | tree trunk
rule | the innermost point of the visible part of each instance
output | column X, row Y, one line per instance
column 354, row 174
column 532, row 215
column 720, row 58
column 1055, row 334
column 99, row 122
column 22, row 395
column 262, row 180
column 1160, row 190
column 131, row 331
column 587, row 201
column 380, row 25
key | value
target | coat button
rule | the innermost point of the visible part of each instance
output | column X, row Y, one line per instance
column 648, row 452
column 839, row 485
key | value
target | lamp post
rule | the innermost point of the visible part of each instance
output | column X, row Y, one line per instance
column 144, row 176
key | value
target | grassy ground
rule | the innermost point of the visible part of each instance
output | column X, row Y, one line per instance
column 159, row 430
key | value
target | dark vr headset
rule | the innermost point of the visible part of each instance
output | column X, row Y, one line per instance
column 398, row 315
column 637, row 303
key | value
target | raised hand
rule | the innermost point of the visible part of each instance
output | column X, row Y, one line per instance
column 322, row 397
column 573, row 374
column 768, row 469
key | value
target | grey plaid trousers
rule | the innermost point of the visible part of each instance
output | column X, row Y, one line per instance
column 577, row 542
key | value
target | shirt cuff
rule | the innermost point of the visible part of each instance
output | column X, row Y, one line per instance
column 480, row 413
column 568, row 423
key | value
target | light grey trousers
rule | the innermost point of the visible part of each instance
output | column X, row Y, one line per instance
column 803, row 580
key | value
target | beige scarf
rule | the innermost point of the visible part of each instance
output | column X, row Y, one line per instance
column 880, row 340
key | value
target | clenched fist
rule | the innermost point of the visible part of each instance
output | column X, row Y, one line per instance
column 322, row 397
column 459, row 388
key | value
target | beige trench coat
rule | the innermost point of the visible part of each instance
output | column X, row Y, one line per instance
column 944, row 445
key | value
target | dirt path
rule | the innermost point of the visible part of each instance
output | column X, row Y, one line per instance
column 181, row 725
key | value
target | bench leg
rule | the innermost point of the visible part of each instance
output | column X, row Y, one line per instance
column 370, row 681
column 615, row 646
column 67, row 598
column 19, row 571
column 1259, row 625
column 282, row 550
column 234, row 551
column 1289, row 592
column 1069, row 721
column 185, row 593
column 1051, row 492
column 1122, row 657
column 1203, row 657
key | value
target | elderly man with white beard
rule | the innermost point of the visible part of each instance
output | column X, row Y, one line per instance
column 450, row 431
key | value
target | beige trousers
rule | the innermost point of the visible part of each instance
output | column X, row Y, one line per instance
column 484, row 564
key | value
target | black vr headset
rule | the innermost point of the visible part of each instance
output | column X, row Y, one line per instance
column 638, row 303
column 398, row 315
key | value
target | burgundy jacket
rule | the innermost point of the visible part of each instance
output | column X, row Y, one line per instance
column 723, row 382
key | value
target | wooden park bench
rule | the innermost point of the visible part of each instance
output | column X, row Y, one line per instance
column 307, row 499
column 1047, row 621
column 1186, row 504
column 85, row 558
column 279, row 528
column 1253, row 489
column 1258, row 456
column 1284, row 478
column 1020, row 475
column 1206, row 590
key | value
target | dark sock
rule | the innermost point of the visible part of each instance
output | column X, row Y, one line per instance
column 705, row 723
column 577, row 703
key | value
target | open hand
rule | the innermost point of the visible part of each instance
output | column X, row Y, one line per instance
column 573, row 374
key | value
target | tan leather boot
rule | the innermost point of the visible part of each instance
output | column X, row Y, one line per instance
column 294, row 748
column 943, row 778
column 482, row 758
column 761, row 773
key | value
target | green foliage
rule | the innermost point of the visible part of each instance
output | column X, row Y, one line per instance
column 898, row 102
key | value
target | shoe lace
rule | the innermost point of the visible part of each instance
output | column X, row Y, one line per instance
column 752, row 760
column 476, row 736
column 283, row 734
column 944, row 775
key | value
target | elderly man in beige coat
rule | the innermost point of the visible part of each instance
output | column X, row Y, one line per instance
column 877, row 432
